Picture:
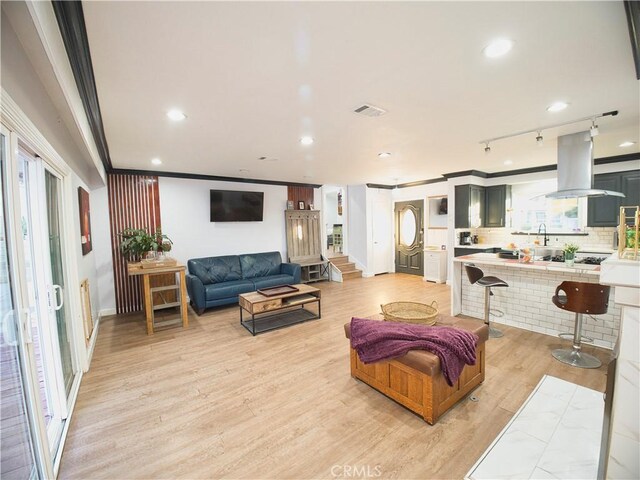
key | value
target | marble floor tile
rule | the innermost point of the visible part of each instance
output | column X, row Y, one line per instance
column 555, row 434
column 557, row 388
column 514, row 456
column 540, row 474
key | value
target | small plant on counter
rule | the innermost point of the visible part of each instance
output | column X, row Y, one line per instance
column 570, row 248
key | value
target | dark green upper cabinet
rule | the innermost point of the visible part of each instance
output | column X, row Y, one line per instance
column 469, row 209
column 605, row 211
column 496, row 199
column 630, row 185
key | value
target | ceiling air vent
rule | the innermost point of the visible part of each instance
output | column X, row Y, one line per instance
column 370, row 111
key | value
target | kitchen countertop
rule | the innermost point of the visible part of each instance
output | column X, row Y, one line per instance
column 584, row 249
column 492, row 259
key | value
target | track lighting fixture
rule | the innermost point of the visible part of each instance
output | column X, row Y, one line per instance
column 487, row 149
column 593, row 130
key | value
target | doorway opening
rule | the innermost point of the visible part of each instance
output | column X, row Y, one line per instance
column 333, row 214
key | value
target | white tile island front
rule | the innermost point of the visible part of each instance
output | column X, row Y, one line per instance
column 526, row 303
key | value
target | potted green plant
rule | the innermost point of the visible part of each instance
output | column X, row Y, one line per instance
column 137, row 243
column 163, row 241
column 570, row 250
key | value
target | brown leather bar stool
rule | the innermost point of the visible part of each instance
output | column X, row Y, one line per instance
column 477, row 276
column 581, row 298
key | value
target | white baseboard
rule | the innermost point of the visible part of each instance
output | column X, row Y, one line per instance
column 106, row 312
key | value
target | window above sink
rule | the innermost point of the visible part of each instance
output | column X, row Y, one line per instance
column 530, row 209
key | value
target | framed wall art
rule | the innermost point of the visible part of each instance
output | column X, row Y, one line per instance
column 85, row 220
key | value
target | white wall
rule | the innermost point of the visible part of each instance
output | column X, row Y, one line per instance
column 87, row 263
column 380, row 216
column 100, row 226
column 184, row 208
column 357, row 226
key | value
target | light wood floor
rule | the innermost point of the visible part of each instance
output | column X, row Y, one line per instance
column 213, row 401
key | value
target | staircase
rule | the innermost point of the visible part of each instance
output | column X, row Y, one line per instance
column 347, row 268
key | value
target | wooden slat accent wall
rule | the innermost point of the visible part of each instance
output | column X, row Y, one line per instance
column 297, row 194
column 134, row 201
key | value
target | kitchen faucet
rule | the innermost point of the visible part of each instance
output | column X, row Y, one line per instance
column 546, row 237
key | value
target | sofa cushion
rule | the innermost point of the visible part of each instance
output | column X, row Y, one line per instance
column 260, row 264
column 216, row 291
column 216, row 269
column 273, row 280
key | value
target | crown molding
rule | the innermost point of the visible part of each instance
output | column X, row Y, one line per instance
column 197, row 176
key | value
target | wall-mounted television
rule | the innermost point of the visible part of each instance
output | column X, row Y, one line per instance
column 233, row 206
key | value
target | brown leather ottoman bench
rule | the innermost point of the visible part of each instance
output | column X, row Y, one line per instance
column 415, row 380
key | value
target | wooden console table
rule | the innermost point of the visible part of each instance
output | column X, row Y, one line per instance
column 148, row 290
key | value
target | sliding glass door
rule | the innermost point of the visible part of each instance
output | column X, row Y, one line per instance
column 37, row 354
column 56, row 278
column 41, row 207
column 17, row 445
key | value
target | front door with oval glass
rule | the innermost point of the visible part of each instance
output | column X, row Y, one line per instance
column 409, row 237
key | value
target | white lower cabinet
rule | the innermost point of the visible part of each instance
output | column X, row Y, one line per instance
column 435, row 266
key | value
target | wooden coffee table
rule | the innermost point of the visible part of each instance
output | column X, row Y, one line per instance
column 278, row 311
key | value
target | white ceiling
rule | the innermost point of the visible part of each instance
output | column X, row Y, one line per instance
column 254, row 77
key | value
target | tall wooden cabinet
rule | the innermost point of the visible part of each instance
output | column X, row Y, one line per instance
column 304, row 244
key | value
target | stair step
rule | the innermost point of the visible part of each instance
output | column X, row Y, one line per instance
column 339, row 260
column 346, row 267
column 351, row 274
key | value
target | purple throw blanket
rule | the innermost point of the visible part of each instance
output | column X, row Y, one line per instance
column 376, row 341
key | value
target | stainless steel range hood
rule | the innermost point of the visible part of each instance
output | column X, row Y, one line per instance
column 575, row 168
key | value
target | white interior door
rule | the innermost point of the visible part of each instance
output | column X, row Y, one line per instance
column 382, row 232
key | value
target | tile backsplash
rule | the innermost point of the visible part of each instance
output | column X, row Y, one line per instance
column 598, row 237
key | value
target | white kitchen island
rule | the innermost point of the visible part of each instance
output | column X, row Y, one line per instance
column 526, row 303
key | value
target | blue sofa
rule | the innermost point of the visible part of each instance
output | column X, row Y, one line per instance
column 215, row 281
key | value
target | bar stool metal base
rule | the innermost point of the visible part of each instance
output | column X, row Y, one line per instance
column 494, row 332
column 576, row 358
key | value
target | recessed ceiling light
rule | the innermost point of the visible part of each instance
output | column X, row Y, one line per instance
column 627, row 144
column 156, row 161
column 557, row 107
column 384, row 154
column 306, row 140
column 498, row 47
column 176, row 115
column 508, row 162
